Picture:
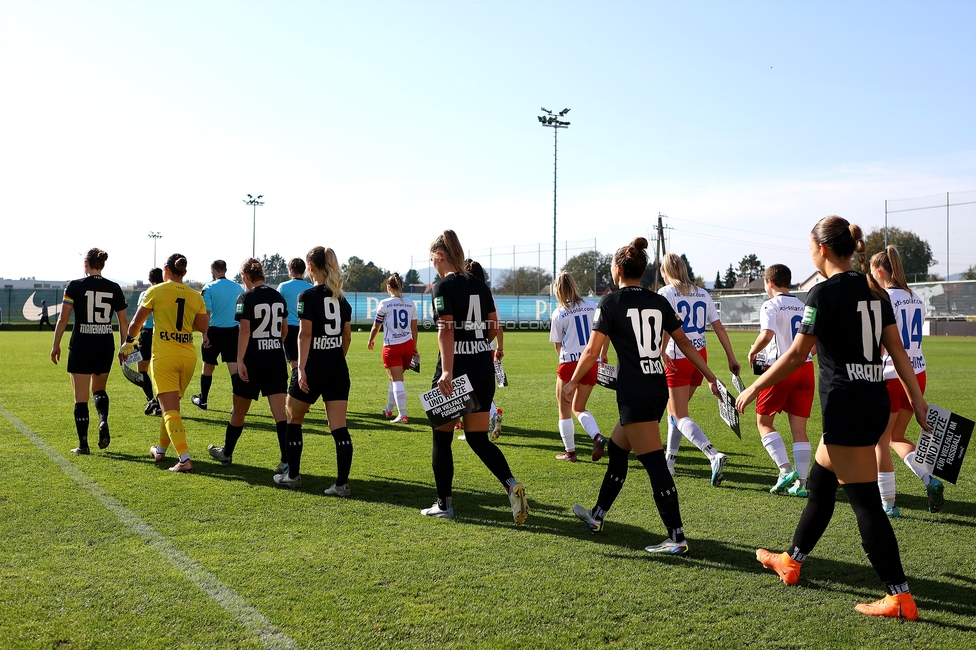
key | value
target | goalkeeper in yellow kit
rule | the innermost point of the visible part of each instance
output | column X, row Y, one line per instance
column 177, row 311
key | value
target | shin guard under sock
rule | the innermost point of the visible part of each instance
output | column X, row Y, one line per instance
column 294, row 450
column 343, row 443
column 877, row 535
column 822, row 488
column 176, row 433
column 490, row 455
column 613, row 479
column 665, row 492
column 442, row 462
column 81, row 423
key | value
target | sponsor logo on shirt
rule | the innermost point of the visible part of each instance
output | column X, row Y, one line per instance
column 809, row 316
column 439, row 303
column 301, row 307
column 240, row 308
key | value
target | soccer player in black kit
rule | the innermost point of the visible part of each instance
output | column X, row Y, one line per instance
column 635, row 318
column 262, row 313
column 324, row 334
column 91, row 350
column 849, row 324
column 466, row 324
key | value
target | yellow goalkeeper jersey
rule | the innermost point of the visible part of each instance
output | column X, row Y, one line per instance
column 174, row 306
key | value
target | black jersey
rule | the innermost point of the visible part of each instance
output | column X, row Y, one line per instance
column 266, row 311
column 328, row 316
column 94, row 300
column 847, row 320
column 634, row 318
column 466, row 301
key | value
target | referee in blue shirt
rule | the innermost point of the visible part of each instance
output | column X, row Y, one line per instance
column 289, row 290
column 221, row 299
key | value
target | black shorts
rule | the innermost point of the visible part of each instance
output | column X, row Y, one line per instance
column 481, row 376
column 643, row 409
column 223, row 342
column 90, row 362
column 291, row 344
column 331, row 384
column 266, row 379
column 856, row 418
column 145, row 343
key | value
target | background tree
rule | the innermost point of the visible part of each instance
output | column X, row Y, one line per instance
column 357, row 276
column 751, row 267
column 718, row 281
column 412, row 277
column 583, row 266
column 652, row 276
column 275, row 270
column 730, row 278
column 915, row 252
column 691, row 274
column 523, row 280
column 970, row 273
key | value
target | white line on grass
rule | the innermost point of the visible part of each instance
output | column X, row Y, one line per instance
column 226, row 597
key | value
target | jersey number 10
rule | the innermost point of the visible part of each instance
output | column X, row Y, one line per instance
column 647, row 325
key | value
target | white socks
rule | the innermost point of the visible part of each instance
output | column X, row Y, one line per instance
column 400, row 396
column 389, row 397
column 801, row 459
column 773, row 442
column 493, row 410
column 886, row 483
column 918, row 470
column 695, row 436
column 674, row 442
column 589, row 424
column 566, row 432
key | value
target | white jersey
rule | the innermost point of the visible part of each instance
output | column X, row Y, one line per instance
column 909, row 316
column 397, row 316
column 695, row 310
column 572, row 328
column 782, row 315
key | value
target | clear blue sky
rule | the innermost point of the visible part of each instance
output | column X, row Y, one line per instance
column 371, row 126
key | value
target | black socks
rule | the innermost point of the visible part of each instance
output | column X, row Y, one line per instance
column 205, row 383
column 343, row 443
column 147, row 386
column 81, row 423
column 822, row 486
column 665, row 492
column 294, row 449
column 613, row 480
column 877, row 536
column 490, row 455
column 231, row 435
column 442, row 462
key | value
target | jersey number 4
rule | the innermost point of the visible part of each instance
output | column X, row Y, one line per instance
column 474, row 320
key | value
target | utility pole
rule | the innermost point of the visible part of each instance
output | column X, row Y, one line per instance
column 555, row 123
column 659, row 249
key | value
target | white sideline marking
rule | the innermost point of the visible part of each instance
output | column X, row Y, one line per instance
column 226, row 597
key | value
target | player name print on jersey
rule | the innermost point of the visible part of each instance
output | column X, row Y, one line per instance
column 865, row 371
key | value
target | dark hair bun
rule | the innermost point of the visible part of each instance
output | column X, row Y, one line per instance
column 639, row 243
column 180, row 264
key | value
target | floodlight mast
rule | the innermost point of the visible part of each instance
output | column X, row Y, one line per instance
column 555, row 123
column 155, row 236
column 254, row 203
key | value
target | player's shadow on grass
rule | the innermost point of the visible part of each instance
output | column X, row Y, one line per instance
column 857, row 579
column 489, row 508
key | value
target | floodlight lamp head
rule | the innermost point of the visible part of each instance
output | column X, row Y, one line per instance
column 541, row 119
column 260, row 196
column 249, row 196
column 564, row 111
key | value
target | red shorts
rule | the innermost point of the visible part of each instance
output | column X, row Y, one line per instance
column 793, row 395
column 896, row 393
column 685, row 373
column 398, row 355
column 566, row 371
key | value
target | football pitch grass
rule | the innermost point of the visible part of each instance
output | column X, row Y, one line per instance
column 111, row 550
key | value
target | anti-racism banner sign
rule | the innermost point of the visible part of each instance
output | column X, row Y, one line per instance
column 943, row 450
